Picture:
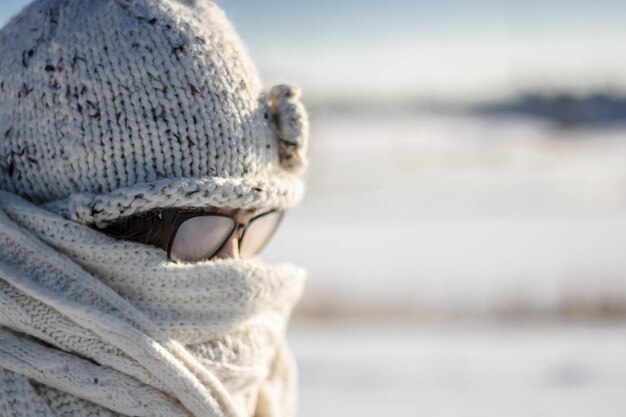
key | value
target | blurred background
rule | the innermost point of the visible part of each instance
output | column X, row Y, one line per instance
column 465, row 223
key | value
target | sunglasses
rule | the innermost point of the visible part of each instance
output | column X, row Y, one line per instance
column 198, row 235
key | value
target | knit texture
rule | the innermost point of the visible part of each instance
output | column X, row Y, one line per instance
column 94, row 326
column 113, row 107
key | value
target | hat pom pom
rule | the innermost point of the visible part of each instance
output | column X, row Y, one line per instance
column 292, row 124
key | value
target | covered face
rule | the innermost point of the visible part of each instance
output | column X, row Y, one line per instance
column 196, row 234
column 114, row 108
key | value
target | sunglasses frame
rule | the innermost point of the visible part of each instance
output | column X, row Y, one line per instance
column 176, row 217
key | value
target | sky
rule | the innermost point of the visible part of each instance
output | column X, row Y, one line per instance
column 430, row 50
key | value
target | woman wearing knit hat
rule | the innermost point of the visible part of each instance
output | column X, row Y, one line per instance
column 142, row 166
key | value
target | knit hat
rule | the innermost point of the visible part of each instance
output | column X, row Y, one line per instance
column 114, row 107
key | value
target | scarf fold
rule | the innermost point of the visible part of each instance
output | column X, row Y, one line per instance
column 94, row 326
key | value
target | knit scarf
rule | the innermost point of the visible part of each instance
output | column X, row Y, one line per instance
column 95, row 326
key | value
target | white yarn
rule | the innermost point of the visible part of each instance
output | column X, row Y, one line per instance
column 292, row 124
column 94, row 326
column 113, row 107
column 280, row 191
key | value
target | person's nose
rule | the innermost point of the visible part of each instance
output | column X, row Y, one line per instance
column 230, row 250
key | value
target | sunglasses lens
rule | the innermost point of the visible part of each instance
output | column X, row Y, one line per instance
column 198, row 238
column 258, row 233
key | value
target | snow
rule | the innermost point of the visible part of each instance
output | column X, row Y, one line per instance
column 505, row 225
column 481, row 370
column 442, row 214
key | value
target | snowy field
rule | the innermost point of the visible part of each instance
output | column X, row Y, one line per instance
column 424, row 235
column 461, row 371
column 444, row 214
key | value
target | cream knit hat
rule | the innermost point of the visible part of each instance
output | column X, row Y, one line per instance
column 113, row 107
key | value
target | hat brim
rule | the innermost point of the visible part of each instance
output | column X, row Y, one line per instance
column 280, row 190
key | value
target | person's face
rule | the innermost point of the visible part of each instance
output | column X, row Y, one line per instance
column 234, row 233
column 192, row 240
column 231, row 247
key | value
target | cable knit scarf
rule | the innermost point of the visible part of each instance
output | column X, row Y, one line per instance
column 94, row 326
